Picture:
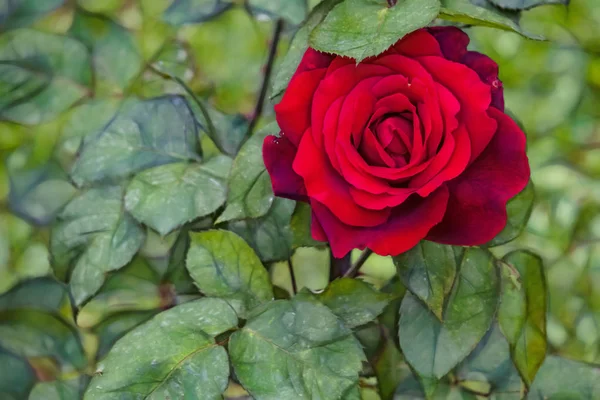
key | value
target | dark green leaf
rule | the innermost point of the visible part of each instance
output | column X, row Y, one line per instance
column 228, row 131
column 428, row 271
column 116, row 326
column 167, row 196
column 223, row 265
column 191, row 11
column 114, row 53
column 434, row 347
column 18, row 13
column 390, row 368
column 270, row 236
column 560, row 378
column 483, row 13
column 522, row 312
column 250, row 193
column 364, row 28
column 525, row 4
column 59, row 390
column 41, row 75
column 292, row 10
column 144, row 134
column 518, row 209
column 174, row 355
column 299, row 46
column 95, row 232
column 300, row 225
column 295, row 349
column 354, row 301
column 16, row 377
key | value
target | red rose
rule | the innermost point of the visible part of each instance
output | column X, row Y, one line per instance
column 412, row 144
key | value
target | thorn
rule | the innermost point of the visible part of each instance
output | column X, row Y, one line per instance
column 392, row 3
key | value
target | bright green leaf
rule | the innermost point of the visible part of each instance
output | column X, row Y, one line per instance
column 292, row 10
column 144, row 134
column 434, row 347
column 560, row 378
column 193, row 11
column 428, row 271
column 174, row 355
column 354, row 301
column 270, row 236
column 223, row 265
column 518, row 209
column 250, row 193
column 295, row 349
column 19, row 13
column 16, row 377
column 522, row 312
column 94, row 230
column 41, row 75
column 59, row 390
column 364, row 28
column 116, row 326
column 167, row 196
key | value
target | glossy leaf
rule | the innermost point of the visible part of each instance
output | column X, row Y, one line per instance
column 250, row 193
column 167, row 196
column 294, row 350
column 144, row 134
column 270, row 236
column 193, row 11
column 94, row 232
column 364, row 28
column 174, row 355
column 354, row 301
column 223, row 265
column 41, row 75
column 519, row 209
column 428, row 271
column 434, row 347
column 560, row 378
column 116, row 326
column 522, row 312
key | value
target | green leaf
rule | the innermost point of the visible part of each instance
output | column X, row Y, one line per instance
column 292, row 10
column 19, row 13
column 522, row 312
column 37, row 194
column 16, row 377
column 114, row 54
column 525, row 4
column 94, row 230
column 228, row 131
column 483, row 13
column 144, row 134
column 301, row 227
column 270, row 236
column 174, row 355
column 116, row 326
column 223, row 265
column 428, row 271
column 41, row 75
column 354, row 301
column 560, row 378
column 182, row 12
column 295, row 349
column 298, row 47
column 489, row 366
column 364, row 28
column 58, row 390
column 519, row 209
column 433, row 347
column 390, row 368
column 250, row 193
column 167, row 196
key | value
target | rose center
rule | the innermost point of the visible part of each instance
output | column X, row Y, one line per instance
column 395, row 134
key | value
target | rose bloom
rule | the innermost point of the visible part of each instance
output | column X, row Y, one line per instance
column 412, row 144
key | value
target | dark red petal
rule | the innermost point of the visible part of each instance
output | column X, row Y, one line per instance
column 324, row 184
column 408, row 224
column 279, row 154
column 477, row 204
column 487, row 69
column 314, row 59
column 293, row 112
column 452, row 40
column 418, row 43
column 316, row 229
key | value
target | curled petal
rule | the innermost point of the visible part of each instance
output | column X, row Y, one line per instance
column 279, row 154
column 453, row 42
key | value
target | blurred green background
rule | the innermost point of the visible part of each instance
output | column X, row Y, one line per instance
column 552, row 87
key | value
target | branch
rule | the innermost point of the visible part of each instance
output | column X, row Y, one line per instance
column 351, row 273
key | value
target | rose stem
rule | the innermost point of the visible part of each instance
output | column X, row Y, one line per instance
column 351, row 273
column 292, row 276
column 267, row 76
column 338, row 266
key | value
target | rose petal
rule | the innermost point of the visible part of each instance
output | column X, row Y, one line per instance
column 453, row 42
column 477, row 204
column 279, row 154
column 313, row 59
column 418, row 43
column 407, row 225
column 487, row 69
